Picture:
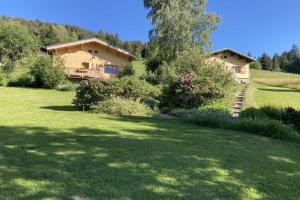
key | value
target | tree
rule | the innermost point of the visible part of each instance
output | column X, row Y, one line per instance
column 48, row 73
column 284, row 60
column 16, row 42
column 179, row 25
column 255, row 65
column 266, row 62
column 294, row 53
column 276, row 63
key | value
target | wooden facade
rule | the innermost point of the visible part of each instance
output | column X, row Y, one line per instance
column 90, row 58
column 235, row 62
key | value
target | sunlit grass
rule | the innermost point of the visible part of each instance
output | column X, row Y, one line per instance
column 139, row 67
column 273, row 88
column 276, row 79
column 48, row 150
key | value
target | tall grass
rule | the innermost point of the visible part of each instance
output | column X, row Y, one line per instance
column 286, row 83
column 276, row 79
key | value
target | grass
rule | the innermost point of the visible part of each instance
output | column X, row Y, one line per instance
column 277, row 79
column 139, row 67
column 273, row 88
column 48, row 150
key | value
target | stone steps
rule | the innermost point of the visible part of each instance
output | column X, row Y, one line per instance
column 238, row 103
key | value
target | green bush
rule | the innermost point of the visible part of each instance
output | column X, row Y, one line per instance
column 25, row 80
column 203, row 117
column 288, row 116
column 255, row 65
column 47, row 73
column 127, row 70
column 133, row 88
column 90, row 92
column 121, row 106
column 93, row 92
column 265, row 127
column 219, row 119
column 253, row 113
column 191, row 91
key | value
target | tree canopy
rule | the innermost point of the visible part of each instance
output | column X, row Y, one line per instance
column 16, row 42
column 179, row 25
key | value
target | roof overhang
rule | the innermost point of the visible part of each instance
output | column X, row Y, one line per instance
column 241, row 55
column 91, row 40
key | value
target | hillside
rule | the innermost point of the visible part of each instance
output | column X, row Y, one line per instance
column 273, row 88
column 48, row 150
column 52, row 33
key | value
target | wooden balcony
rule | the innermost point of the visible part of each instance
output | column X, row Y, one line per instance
column 83, row 74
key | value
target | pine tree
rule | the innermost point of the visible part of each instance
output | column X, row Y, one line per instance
column 284, row 60
column 276, row 63
column 266, row 62
column 294, row 53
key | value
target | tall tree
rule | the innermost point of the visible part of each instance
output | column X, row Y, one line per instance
column 294, row 53
column 266, row 62
column 179, row 25
column 284, row 60
column 276, row 63
column 16, row 42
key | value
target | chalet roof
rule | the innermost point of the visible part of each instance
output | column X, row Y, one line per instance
column 248, row 58
column 96, row 40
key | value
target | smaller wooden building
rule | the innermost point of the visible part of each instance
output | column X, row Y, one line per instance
column 235, row 62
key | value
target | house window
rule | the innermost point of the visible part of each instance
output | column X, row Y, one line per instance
column 90, row 51
column 236, row 69
column 224, row 57
column 109, row 69
column 96, row 51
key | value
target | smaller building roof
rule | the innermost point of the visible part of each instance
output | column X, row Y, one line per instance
column 248, row 58
column 96, row 40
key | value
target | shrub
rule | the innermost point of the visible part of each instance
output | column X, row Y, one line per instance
column 253, row 113
column 133, row 88
column 89, row 93
column 292, row 117
column 255, row 65
column 220, row 119
column 264, row 127
column 203, row 117
column 191, row 91
column 288, row 116
column 127, row 70
column 25, row 80
column 47, row 73
column 95, row 91
column 272, row 112
column 121, row 106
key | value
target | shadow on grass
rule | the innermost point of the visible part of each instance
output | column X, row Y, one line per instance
column 162, row 162
column 61, row 108
column 279, row 90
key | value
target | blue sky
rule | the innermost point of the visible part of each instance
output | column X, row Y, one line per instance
column 254, row 26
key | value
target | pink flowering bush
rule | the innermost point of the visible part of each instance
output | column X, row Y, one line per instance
column 191, row 91
column 93, row 92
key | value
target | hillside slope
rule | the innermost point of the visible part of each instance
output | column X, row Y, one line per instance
column 48, row 150
column 273, row 88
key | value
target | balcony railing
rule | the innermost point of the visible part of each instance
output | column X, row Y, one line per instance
column 83, row 74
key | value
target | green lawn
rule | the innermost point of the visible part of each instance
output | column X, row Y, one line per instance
column 265, row 89
column 139, row 67
column 50, row 151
